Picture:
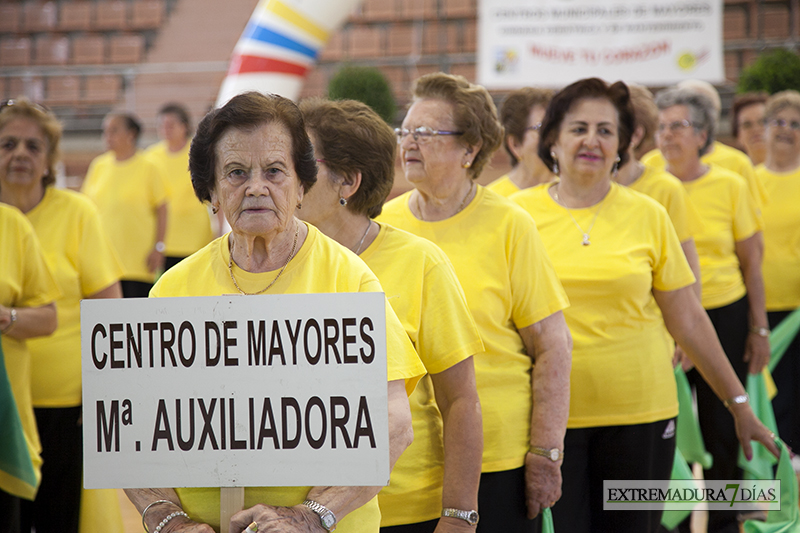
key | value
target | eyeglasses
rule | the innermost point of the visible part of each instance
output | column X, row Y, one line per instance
column 535, row 127
column 780, row 123
column 750, row 124
column 422, row 134
column 675, row 126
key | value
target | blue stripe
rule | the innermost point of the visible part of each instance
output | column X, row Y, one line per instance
column 265, row 35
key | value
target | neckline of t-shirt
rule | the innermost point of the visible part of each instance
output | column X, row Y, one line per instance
column 612, row 191
column 469, row 208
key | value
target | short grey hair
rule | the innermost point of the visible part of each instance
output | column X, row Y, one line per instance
column 701, row 111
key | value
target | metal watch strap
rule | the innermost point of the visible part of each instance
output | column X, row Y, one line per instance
column 553, row 454
column 470, row 517
column 326, row 516
column 736, row 400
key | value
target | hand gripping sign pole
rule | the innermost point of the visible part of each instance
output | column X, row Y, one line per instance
column 233, row 392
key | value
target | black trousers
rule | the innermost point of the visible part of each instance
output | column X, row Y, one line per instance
column 502, row 505
column 787, row 378
column 716, row 423
column 419, row 527
column 591, row 455
column 56, row 508
column 135, row 289
column 171, row 260
column 9, row 513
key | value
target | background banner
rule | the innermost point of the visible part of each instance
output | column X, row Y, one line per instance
column 282, row 390
column 552, row 43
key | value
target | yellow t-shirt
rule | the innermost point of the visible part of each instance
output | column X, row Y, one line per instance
column 726, row 157
column 729, row 215
column 423, row 289
column 503, row 186
column 781, row 266
column 127, row 194
column 188, row 223
column 668, row 190
column 82, row 261
column 509, row 284
column 320, row 266
column 25, row 281
column 621, row 359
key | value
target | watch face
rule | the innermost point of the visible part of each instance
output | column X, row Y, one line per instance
column 328, row 520
column 472, row 518
column 554, row 454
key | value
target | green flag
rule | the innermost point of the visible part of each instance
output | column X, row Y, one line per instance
column 782, row 336
column 787, row 520
column 760, row 466
column 17, row 475
column 680, row 471
column 547, row 521
column 688, row 436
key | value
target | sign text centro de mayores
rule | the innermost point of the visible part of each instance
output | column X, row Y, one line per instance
column 285, row 390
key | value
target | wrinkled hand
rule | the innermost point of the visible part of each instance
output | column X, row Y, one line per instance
column 181, row 524
column 680, row 358
column 542, row 483
column 749, row 428
column 297, row 519
column 155, row 262
column 453, row 525
column 756, row 352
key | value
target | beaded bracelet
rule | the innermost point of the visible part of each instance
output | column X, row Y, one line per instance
column 151, row 504
column 167, row 519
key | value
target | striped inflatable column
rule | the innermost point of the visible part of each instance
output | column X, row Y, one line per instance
column 280, row 45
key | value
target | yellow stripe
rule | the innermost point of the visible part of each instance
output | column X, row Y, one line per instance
column 295, row 18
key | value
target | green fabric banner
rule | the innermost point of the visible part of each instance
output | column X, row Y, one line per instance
column 547, row 521
column 760, row 466
column 782, row 336
column 17, row 475
column 688, row 436
column 680, row 470
column 787, row 520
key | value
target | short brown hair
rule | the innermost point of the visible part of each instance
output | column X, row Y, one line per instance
column 781, row 100
column 740, row 102
column 515, row 110
column 645, row 114
column 585, row 89
column 46, row 120
column 474, row 113
column 180, row 112
column 353, row 138
column 246, row 112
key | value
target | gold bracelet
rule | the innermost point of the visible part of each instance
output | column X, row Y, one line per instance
column 761, row 332
column 736, row 400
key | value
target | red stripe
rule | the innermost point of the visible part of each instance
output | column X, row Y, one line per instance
column 242, row 64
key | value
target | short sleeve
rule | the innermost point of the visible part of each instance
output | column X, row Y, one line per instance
column 99, row 264
column 402, row 361
column 671, row 270
column 536, row 290
column 447, row 332
column 746, row 217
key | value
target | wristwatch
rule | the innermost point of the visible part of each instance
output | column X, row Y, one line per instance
column 736, row 400
column 160, row 247
column 554, row 454
column 326, row 516
column 470, row 517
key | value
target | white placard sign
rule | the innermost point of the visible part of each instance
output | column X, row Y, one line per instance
column 552, row 43
column 285, row 390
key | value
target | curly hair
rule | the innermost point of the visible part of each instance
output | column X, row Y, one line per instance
column 782, row 100
column 474, row 113
column 353, row 138
column 246, row 112
column 701, row 111
column 587, row 88
column 47, row 122
column 515, row 111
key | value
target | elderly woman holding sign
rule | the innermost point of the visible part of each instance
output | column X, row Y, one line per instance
column 253, row 160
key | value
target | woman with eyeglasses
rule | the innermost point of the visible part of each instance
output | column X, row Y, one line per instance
column 747, row 122
column 447, row 137
column 730, row 250
column 780, row 174
column 521, row 116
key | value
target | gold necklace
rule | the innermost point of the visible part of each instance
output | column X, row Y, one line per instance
column 291, row 254
column 460, row 207
column 586, row 234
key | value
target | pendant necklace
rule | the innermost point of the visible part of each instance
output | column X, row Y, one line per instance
column 586, row 234
column 291, row 254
